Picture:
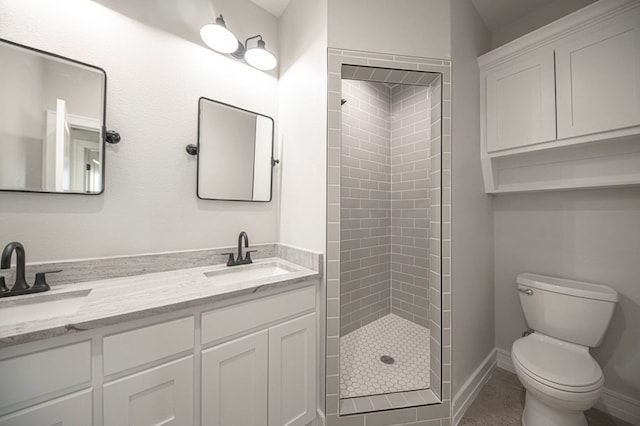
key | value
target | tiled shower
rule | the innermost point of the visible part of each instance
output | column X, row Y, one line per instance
column 388, row 130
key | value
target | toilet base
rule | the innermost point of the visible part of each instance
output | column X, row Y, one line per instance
column 537, row 413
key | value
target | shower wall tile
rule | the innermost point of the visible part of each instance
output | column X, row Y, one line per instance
column 436, row 238
column 364, row 204
column 410, row 183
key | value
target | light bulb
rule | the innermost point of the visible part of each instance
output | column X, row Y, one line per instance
column 260, row 58
column 218, row 37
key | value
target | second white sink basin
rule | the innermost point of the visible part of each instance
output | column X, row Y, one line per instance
column 42, row 306
column 255, row 271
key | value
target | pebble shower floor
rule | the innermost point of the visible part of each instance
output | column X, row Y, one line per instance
column 362, row 373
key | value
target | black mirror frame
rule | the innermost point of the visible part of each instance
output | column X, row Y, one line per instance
column 195, row 150
column 104, row 120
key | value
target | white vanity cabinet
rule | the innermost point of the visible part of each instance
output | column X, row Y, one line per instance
column 246, row 361
column 69, row 410
column 292, row 372
column 560, row 107
column 46, row 385
column 266, row 377
column 234, row 382
column 161, row 394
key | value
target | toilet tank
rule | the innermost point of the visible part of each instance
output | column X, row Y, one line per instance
column 573, row 311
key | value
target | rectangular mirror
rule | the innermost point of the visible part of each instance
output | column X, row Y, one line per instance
column 52, row 112
column 235, row 153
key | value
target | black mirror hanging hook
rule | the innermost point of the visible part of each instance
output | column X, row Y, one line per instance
column 112, row 137
column 192, row 149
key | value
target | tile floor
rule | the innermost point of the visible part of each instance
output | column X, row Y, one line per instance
column 363, row 374
column 501, row 401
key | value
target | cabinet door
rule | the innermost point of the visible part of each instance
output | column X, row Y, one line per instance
column 70, row 410
column 598, row 77
column 159, row 396
column 520, row 103
column 292, row 372
column 234, row 382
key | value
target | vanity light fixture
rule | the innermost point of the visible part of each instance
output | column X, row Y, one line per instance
column 218, row 37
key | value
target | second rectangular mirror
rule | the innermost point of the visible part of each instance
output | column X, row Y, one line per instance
column 235, row 153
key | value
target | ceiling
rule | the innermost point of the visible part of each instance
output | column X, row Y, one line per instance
column 496, row 14
column 275, row 7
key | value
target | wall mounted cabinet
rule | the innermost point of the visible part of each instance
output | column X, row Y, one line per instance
column 560, row 107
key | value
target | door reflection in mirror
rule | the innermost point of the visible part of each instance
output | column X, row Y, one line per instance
column 235, row 149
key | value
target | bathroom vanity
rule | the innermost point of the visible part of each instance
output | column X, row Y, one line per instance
column 209, row 345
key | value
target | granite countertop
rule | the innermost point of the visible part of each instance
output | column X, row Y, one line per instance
column 116, row 300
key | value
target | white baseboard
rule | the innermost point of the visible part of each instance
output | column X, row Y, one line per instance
column 618, row 405
column 470, row 389
column 320, row 419
column 504, row 360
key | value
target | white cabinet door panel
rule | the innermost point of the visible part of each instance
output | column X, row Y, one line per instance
column 598, row 78
column 292, row 372
column 234, row 382
column 44, row 373
column 520, row 103
column 70, row 410
column 159, row 396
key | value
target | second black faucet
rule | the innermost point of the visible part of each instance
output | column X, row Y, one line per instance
column 240, row 260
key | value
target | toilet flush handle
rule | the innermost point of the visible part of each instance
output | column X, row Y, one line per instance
column 528, row 291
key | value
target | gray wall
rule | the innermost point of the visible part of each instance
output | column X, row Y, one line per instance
column 537, row 18
column 149, row 204
column 591, row 236
column 472, row 214
column 21, row 120
column 401, row 27
column 410, row 142
column 365, row 208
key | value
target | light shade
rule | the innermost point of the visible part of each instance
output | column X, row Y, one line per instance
column 218, row 37
column 260, row 58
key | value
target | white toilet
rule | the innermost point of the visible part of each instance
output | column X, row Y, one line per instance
column 553, row 364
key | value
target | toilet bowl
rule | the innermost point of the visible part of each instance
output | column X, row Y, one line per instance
column 561, row 379
column 553, row 364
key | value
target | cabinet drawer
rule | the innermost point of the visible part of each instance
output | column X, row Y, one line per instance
column 144, row 345
column 70, row 410
column 236, row 319
column 159, row 396
column 43, row 373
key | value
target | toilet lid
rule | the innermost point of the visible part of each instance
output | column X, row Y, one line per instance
column 566, row 365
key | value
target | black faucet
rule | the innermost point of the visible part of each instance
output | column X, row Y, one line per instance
column 240, row 260
column 20, row 286
column 5, row 263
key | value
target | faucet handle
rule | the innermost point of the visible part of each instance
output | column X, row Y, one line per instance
column 247, row 258
column 41, row 280
column 231, row 261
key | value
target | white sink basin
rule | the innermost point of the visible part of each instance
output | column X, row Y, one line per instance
column 236, row 274
column 19, row 309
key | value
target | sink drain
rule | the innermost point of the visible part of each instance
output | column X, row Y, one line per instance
column 387, row 359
